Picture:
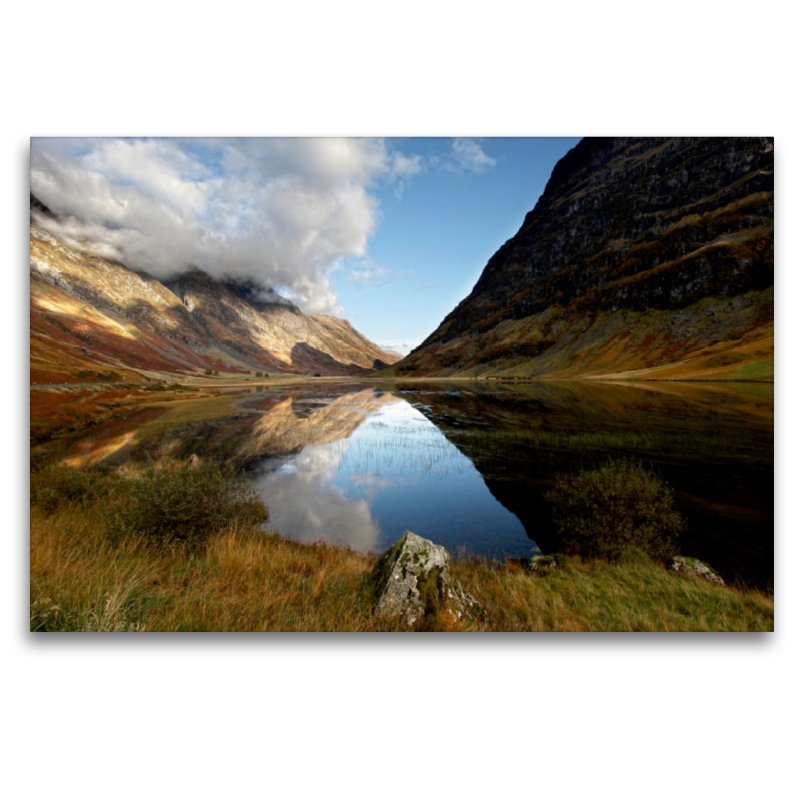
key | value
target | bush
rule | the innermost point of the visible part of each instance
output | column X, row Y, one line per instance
column 56, row 486
column 208, row 371
column 179, row 504
column 619, row 505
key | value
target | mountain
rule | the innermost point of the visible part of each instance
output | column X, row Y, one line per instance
column 94, row 319
column 642, row 258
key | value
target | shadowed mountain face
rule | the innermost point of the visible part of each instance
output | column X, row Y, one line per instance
column 641, row 254
column 93, row 319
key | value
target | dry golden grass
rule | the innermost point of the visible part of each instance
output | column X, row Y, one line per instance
column 245, row 580
column 598, row 596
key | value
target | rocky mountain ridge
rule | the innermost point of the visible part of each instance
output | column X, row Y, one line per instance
column 94, row 319
column 641, row 256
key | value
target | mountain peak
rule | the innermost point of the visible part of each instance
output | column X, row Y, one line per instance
column 259, row 295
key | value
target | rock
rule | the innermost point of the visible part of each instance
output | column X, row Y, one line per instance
column 413, row 579
column 542, row 564
column 696, row 567
column 193, row 462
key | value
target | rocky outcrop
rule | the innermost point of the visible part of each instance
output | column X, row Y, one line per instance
column 693, row 566
column 413, row 580
column 626, row 233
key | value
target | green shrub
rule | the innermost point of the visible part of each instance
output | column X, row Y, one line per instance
column 179, row 504
column 602, row 512
column 57, row 486
column 208, row 371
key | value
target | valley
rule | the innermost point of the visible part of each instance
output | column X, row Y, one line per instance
column 629, row 323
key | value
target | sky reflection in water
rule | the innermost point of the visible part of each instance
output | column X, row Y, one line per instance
column 396, row 472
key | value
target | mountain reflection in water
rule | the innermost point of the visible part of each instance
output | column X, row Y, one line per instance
column 467, row 464
column 396, row 471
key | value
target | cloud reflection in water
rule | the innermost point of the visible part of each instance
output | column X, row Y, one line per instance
column 394, row 472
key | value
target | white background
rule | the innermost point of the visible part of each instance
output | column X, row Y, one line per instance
column 639, row 716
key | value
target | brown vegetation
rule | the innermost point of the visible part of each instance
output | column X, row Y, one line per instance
column 86, row 577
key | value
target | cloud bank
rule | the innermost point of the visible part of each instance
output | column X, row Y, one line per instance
column 281, row 212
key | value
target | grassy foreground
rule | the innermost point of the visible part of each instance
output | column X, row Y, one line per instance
column 83, row 578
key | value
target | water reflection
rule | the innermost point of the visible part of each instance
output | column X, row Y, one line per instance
column 467, row 465
column 306, row 505
column 395, row 472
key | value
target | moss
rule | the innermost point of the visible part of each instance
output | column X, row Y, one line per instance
column 429, row 592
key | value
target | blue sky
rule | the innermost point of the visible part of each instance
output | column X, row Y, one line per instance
column 388, row 233
column 437, row 231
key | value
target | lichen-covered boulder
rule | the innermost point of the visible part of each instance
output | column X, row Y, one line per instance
column 541, row 564
column 413, row 579
column 694, row 566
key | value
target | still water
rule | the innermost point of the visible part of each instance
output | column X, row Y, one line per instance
column 395, row 472
column 467, row 465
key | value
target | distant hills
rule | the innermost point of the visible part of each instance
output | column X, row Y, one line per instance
column 96, row 320
column 644, row 257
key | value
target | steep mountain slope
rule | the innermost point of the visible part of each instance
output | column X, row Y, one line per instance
column 642, row 256
column 93, row 319
column 295, row 342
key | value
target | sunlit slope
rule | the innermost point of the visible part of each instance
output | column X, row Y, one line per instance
column 290, row 340
column 71, row 340
column 651, row 257
column 93, row 319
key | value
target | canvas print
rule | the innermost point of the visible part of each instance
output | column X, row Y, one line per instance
column 405, row 385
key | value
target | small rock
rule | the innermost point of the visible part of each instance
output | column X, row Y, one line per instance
column 542, row 564
column 193, row 462
column 696, row 567
column 413, row 580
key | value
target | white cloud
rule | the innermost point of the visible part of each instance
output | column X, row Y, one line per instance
column 405, row 166
column 367, row 273
column 468, row 155
column 280, row 211
column 403, row 346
